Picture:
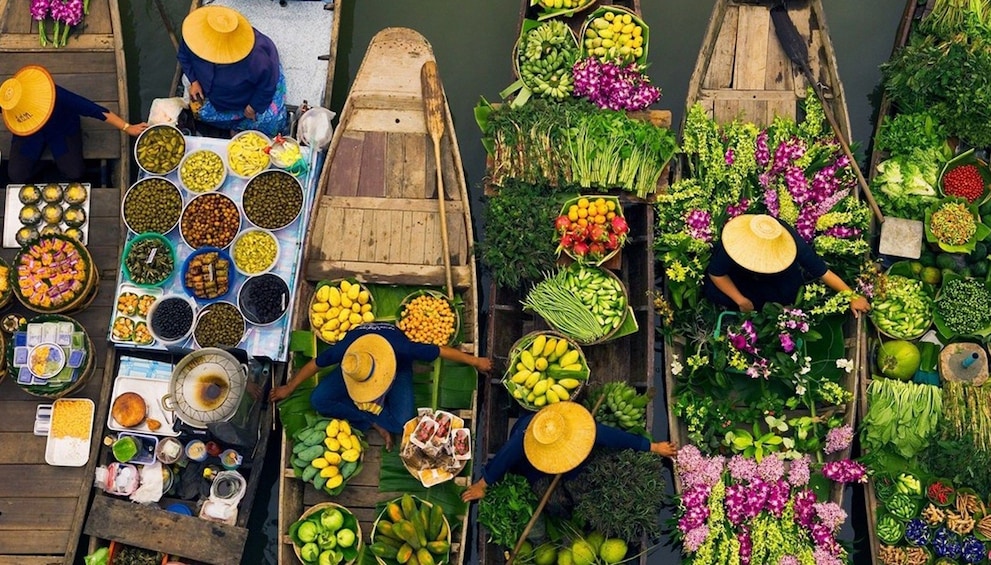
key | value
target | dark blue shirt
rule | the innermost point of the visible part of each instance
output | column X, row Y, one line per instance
column 63, row 123
column 406, row 351
column 512, row 457
column 231, row 87
column 762, row 288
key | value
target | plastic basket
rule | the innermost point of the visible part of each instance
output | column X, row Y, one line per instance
column 143, row 237
column 618, row 211
column 383, row 515
column 455, row 335
column 313, row 299
column 320, row 508
column 620, row 11
column 515, row 354
column 156, row 130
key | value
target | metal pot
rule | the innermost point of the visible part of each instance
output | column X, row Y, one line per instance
column 206, row 387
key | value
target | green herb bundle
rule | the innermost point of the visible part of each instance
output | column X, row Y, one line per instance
column 955, row 458
column 901, row 416
column 519, row 242
column 967, row 410
column 620, row 493
column 506, row 509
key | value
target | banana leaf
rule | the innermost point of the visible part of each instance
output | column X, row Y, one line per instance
column 393, row 477
column 457, row 385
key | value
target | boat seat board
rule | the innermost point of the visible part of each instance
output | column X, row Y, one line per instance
column 169, row 532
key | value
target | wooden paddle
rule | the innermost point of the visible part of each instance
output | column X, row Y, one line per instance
column 433, row 105
column 544, row 500
column 794, row 46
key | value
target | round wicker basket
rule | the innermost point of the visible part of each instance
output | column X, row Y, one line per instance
column 436, row 294
column 313, row 299
column 85, row 371
column 514, row 358
column 383, row 515
column 320, row 508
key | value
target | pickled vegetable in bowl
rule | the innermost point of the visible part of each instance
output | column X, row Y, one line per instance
column 202, row 171
column 159, row 149
column 246, row 155
column 255, row 251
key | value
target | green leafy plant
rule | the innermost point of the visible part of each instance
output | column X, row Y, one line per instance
column 621, row 494
column 506, row 509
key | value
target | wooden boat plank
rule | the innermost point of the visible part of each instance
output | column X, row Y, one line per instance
column 750, row 63
column 371, row 181
column 393, row 273
column 394, row 120
column 43, row 514
column 189, row 536
column 417, row 169
column 395, row 158
column 29, row 42
column 779, row 74
column 20, row 548
column 345, row 161
column 79, row 62
column 40, row 481
column 720, row 52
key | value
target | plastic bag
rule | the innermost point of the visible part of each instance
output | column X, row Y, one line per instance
column 315, row 127
column 166, row 110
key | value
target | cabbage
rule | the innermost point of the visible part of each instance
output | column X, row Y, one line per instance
column 898, row 359
column 906, row 184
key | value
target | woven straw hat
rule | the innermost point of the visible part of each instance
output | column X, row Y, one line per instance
column 218, row 34
column 759, row 243
column 559, row 437
column 368, row 367
column 27, row 100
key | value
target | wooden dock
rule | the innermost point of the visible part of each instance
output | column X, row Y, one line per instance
column 42, row 508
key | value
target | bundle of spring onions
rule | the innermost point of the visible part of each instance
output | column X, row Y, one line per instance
column 582, row 302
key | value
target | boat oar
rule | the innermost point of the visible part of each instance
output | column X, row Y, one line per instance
column 433, row 105
column 544, row 500
column 794, row 46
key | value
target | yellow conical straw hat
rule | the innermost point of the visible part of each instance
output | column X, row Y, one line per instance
column 559, row 437
column 27, row 100
column 759, row 243
column 218, row 34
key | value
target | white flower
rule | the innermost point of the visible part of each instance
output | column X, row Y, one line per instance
column 845, row 364
column 676, row 366
column 800, row 390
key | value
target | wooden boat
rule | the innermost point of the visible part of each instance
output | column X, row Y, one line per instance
column 743, row 72
column 43, row 507
column 914, row 11
column 192, row 538
column 629, row 358
column 377, row 220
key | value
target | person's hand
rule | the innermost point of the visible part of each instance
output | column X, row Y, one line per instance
column 859, row 305
column 475, row 491
column 196, row 91
column 279, row 392
column 135, row 130
column 483, row 364
column 249, row 112
column 745, row 305
column 664, row 448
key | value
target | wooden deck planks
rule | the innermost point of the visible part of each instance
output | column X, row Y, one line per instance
column 371, row 180
column 750, row 63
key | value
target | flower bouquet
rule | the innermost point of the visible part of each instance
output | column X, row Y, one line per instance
column 954, row 225
column 591, row 230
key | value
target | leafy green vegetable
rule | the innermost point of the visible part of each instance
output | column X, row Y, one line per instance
column 955, row 458
column 905, row 185
column 907, row 133
column 506, row 509
column 519, row 240
column 901, row 416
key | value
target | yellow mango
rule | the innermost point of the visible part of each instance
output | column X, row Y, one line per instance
column 561, row 348
column 363, row 297
column 367, row 317
column 317, row 320
column 354, row 318
column 540, row 388
column 540, row 364
column 350, row 455
column 521, row 376
column 356, row 444
column 552, row 397
column 538, row 344
column 572, row 367
column 549, row 347
column 334, row 482
column 345, row 440
column 332, row 444
column 569, row 357
column 319, row 462
column 346, row 302
column 320, row 307
column 343, row 315
column 329, row 336
column 540, row 401
column 527, row 359
column 333, row 296
column 333, row 428
column 532, row 380
column 366, row 308
column 569, row 384
column 323, row 295
column 345, row 427
column 332, row 457
column 353, row 292
column 561, row 392
column 345, row 286
column 330, row 325
column 330, row 471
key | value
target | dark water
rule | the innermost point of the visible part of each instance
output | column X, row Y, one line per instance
column 472, row 41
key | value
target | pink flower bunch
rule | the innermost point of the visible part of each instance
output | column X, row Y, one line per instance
column 759, row 369
column 65, row 13
column 799, row 472
column 613, row 87
column 742, row 469
column 697, row 469
column 762, row 153
column 844, row 471
column 793, row 319
column 838, row 439
column 745, row 339
column 698, row 224
column 734, row 210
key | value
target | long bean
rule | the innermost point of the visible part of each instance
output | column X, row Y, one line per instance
column 563, row 310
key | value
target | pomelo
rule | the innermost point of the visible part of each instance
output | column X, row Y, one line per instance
column 546, row 555
column 595, row 539
column 898, row 359
column 613, row 550
column 582, row 552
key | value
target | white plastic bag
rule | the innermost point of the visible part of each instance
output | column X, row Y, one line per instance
column 166, row 111
column 315, row 127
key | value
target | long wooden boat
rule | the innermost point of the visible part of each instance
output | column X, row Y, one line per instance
column 43, row 507
column 742, row 72
column 189, row 537
column 914, row 11
column 377, row 220
column 629, row 358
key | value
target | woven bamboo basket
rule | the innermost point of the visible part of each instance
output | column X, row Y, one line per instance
column 320, row 508
column 85, row 371
column 514, row 357
column 384, row 516
column 83, row 299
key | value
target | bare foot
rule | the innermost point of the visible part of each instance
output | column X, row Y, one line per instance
column 385, row 436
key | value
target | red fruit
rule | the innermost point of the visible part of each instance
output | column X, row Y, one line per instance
column 567, row 240
column 964, row 181
column 562, row 223
column 579, row 233
column 619, row 225
column 580, row 249
column 597, row 233
column 613, row 241
column 597, row 249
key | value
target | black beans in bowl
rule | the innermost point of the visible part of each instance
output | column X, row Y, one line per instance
column 171, row 318
column 264, row 299
column 272, row 199
column 219, row 325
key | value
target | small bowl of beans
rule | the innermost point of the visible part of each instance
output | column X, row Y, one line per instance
column 255, row 251
column 272, row 199
column 170, row 318
column 202, row 171
column 264, row 299
column 210, row 220
column 220, row 324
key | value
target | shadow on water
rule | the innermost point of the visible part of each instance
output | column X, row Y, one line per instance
column 473, row 49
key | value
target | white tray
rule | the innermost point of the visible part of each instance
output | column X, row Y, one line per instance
column 136, row 317
column 69, row 451
column 152, row 390
column 12, row 223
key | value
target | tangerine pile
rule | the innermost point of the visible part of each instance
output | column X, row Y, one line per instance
column 428, row 319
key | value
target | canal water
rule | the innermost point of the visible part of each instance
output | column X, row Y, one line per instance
column 473, row 41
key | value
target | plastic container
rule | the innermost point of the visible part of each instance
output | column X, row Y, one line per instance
column 238, row 252
column 230, row 459
column 196, row 450
column 144, row 237
column 156, row 130
column 153, row 310
column 169, row 450
column 146, row 447
column 46, row 360
column 184, row 174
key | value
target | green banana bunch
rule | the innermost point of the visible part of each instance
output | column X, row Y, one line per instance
column 546, row 56
column 622, row 408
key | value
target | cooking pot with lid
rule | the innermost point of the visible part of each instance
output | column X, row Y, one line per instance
column 206, row 387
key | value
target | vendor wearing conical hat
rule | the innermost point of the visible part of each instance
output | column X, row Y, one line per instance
column 371, row 385
column 556, row 440
column 39, row 113
column 233, row 70
column 760, row 259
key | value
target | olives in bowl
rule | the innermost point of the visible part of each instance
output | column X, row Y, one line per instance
column 272, row 199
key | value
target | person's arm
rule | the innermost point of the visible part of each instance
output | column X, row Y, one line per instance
column 482, row 364
column 727, row 287
column 305, row 372
column 508, row 455
column 608, row 436
column 120, row 123
column 266, row 71
column 858, row 304
column 86, row 107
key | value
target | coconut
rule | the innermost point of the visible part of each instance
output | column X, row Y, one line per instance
column 898, row 359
